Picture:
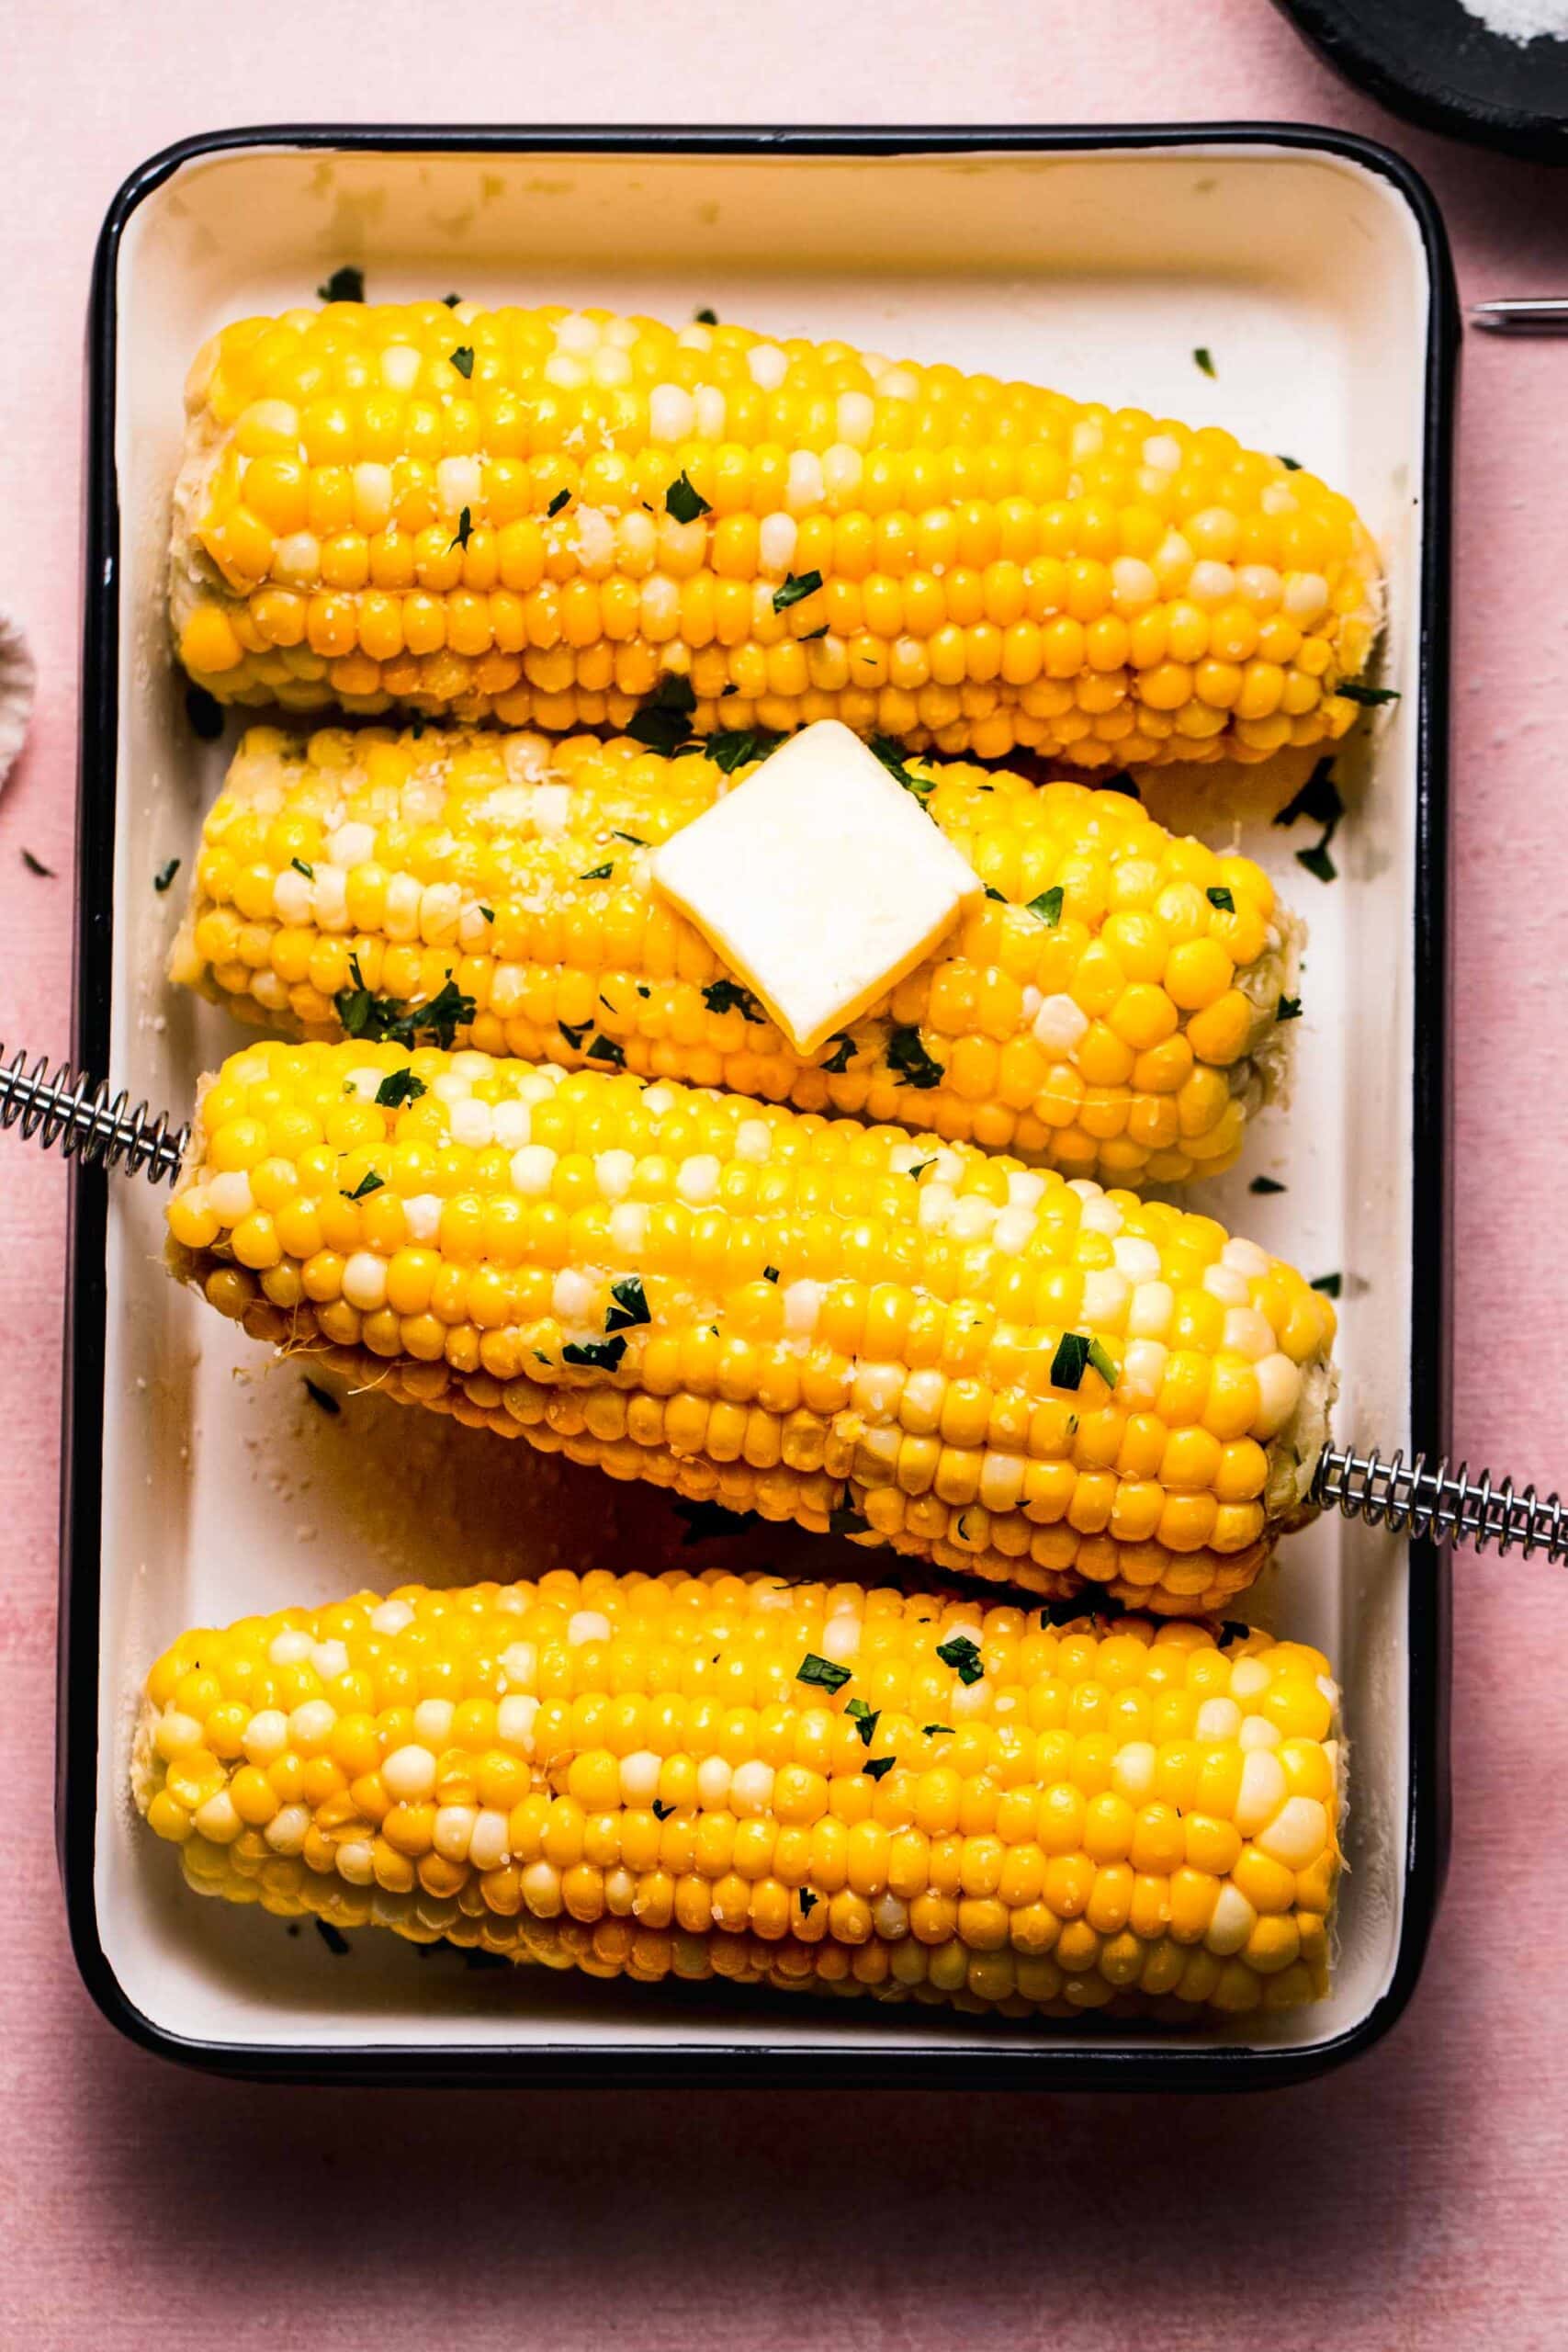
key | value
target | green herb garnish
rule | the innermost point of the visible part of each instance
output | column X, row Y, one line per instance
column 574, row 1036
column 451, row 301
column 370, row 1182
column 808, row 1902
column 301, row 867
column 635, row 839
column 876, row 1766
column 891, row 754
column 847, row 1521
column 1048, row 905
column 684, row 501
column 1329, row 1284
column 463, row 359
column 906, row 1055
column 931, row 1730
column 603, row 1355
column 598, row 873
column 383, row 1020
column 1075, row 1353
column 465, row 531
column 1318, row 861
column 794, row 588
column 705, row 318
column 1264, row 1184
column 769, row 1273
column 844, row 1052
column 729, row 996
column 864, row 1717
column 661, row 721
column 166, row 874
column 1292, row 465
column 346, row 284
column 1220, row 897
column 662, row 1812
column 1354, row 691
column 962, row 1655
column 604, row 1049
column 399, row 1086
column 1204, row 360
column 562, row 498
column 1288, row 1009
column 821, row 1673
column 736, row 747
column 630, row 1304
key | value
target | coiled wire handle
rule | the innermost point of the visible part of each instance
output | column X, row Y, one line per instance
column 60, row 1105
column 1447, row 1504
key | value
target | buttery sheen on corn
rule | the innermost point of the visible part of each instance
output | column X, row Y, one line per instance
column 630, row 1776
column 535, row 515
column 1112, row 1010
column 917, row 1343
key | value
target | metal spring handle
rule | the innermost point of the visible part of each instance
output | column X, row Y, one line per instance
column 1449, row 1505
column 62, row 1106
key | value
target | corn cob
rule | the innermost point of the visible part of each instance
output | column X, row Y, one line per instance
column 805, row 1786
column 536, row 514
column 1116, row 1018
column 923, row 1345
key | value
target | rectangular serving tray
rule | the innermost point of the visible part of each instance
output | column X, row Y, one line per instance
column 196, row 1485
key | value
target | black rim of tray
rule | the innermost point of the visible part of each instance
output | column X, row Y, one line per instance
column 1060, row 2062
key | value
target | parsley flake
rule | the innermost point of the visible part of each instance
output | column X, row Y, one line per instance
column 808, row 1901
column 322, row 1398
column 1292, row 465
column 736, row 747
column 1232, row 1629
column 866, row 1718
column 1048, row 905
column 384, row 1020
column 488, row 913
column 906, row 1057
column 661, row 721
column 337, row 1943
column 1074, row 1353
column 465, row 531
column 1220, row 897
column 769, row 1273
column 931, row 1730
column 1288, row 1009
column 1000, row 900
column 662, row 1812
column 1204, row 359
column 821, row 1673
column 346, row 284
column 844, row 1052
column 1369, row 696
column 729, row 996
column 876, row 1766
column 604, row 1049
column 705, row 318
column 891, row 754
column 399, row 1086
column 370, row 1182
column 562, row 498
column 962, row 1655
column 635, row 839
column 451, row 301
column 1264, row 1184
column 794, row 588
column 166, row 874
column 574, row 1036
column 603, row 1355
column 630, row 1304
column 463, row 359
column 1318, row 798
column 598, row 873
column 1318, row 863
column 1329, row 1284
column 684, row 501
column 301, row 867
column 920, row 1168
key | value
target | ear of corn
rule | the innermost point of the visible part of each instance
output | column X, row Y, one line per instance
column 923, row 1345
column 812, row 1786
column 536, row 514
column 1111, row 1012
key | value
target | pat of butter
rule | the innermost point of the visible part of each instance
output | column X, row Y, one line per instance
column 820, row 881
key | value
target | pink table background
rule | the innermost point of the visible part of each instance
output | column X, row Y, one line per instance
column 1419, row 2199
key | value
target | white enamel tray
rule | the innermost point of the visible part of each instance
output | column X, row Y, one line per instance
column 199, row 1485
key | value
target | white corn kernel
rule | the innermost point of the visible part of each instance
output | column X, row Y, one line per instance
column 408, row 1775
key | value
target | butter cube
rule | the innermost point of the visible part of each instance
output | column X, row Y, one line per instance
column 820, row 881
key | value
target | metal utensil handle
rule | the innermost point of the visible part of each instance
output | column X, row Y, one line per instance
column 1435, row 1501
column 1522, row 314
column 60, row 1105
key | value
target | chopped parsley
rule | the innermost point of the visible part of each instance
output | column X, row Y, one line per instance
column 1220, row 897
column 574, row 1037
column 684, row 501
column 866, row 1718
column 630, row 1304
column 1354, row 691
column 875, row 1766
column 1292, row 465
column 598, row 873
column 562, row 498
column 370, row 1182
column 604, row 1049
column 383, row 1020
column 931, row 1730
column 962, row 1655
column 844, row 1052
column 635, row 839
column 1288, row 1009
column 488, row 913
column 166, row 874
column 891, row 754
column 999, row 898
column 769, row 1273
column 662, row 1812
column 812, row 635
column 1318, row 862
column 847, row 1521
column 906, row 1057
column 794, row 588
column 1231, row 1630
column 603, row 1355
column 661, row 721
column 205, row 713
column 808, row 1902
column 463, row 359
column 399, row 1086
column 705, row 318
column 1074, row 1353
column 338, row 1945
column 920, row 1168
column 729, row 996
column 35, row 866
column 821, row 1673
column 705, row 1520
column 1048, row 905
column 322, row 1398
column 451, row 301
column 1329, row 1284
column 736, row 747
column 1262, row 1184
column 1204, row 359
column 301, row 867
column 346, row 284
column 465, row 531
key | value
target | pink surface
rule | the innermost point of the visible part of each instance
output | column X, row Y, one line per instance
column 1419, row 2199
